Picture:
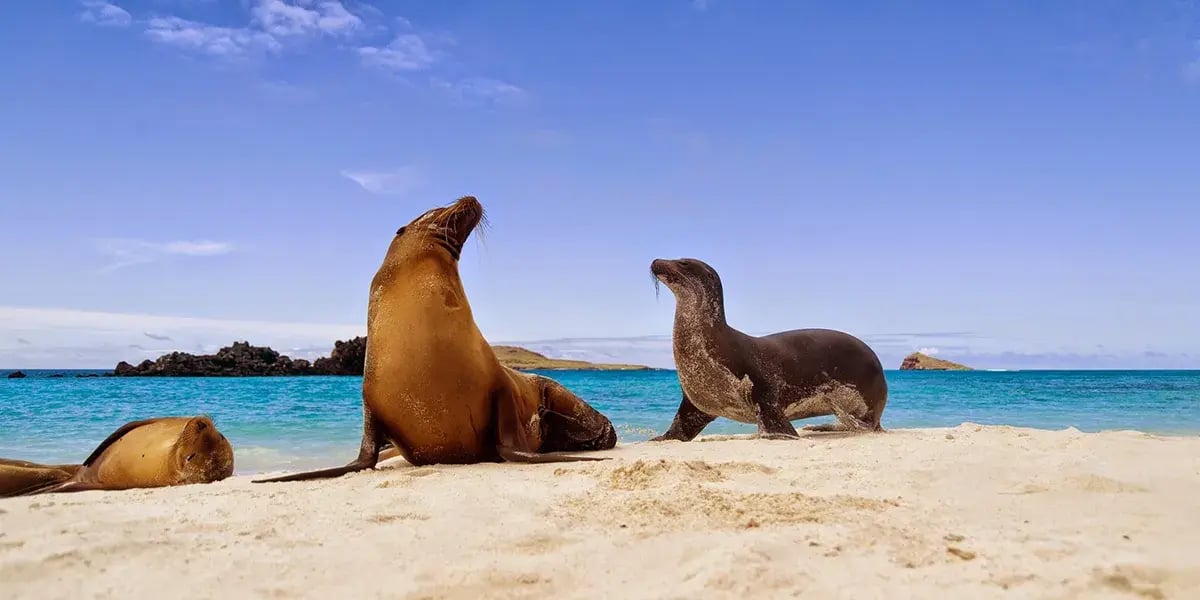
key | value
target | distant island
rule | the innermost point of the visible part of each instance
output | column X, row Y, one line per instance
column 347, row 358
column 923, row 362
column 521, row 359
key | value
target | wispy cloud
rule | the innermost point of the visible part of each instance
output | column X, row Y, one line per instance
column 104, row 14
column 128, row 252
column 928, row 351
column 159, row 338
column 272, row 27
column 284, row 19
column 24, row 342
column 395, row 181
column 407, row 52
column 221, row 42
column 483, row 90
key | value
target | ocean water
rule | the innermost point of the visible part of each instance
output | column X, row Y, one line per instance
column 286, row 423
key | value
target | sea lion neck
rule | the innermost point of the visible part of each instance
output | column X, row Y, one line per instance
column 699, row 311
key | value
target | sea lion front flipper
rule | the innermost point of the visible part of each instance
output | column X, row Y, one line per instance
column 368, row 456
column 689, row 421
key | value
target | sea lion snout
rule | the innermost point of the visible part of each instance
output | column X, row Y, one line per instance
column 662, row 269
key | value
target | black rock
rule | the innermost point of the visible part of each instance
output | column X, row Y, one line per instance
column 16, row 375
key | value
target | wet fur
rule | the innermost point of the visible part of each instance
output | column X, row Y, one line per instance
column 768, row 381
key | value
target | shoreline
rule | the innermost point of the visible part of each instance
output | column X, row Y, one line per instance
column 976, row 511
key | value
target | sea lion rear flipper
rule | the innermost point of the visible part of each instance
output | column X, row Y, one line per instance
column 20, row 478
column 521, row 456
column 368, row 456
column 69, row 486
column 773, row 424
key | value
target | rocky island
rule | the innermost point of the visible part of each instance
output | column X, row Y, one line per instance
column 923, row 362
column 347, row 358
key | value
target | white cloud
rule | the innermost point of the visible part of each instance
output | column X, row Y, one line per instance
column 407, row 52
column 929, row 351
column 104, row 14
column 128, row 252
column 69, row 338
column 283, row 19
column 476, row 90
column 395, row 181
column 223, row 42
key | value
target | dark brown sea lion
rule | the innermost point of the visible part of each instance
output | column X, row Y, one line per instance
column 432, row 385
column 768, row 381
column 141, row 454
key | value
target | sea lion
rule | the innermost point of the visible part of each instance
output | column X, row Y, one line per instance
column 432, row 385
column 767, row 381
column 141, row 454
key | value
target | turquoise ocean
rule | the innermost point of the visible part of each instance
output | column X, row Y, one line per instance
column 286, row 423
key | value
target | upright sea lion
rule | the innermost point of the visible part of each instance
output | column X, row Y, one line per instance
column 769, row 380
column 432, row 385
column 141, row 454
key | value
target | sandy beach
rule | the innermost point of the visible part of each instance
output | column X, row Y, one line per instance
column 971, row 511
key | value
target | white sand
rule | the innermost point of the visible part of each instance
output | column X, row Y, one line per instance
column 976, row 512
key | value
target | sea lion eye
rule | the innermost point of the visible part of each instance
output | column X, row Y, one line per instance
column 401, row 230
column 190, row 457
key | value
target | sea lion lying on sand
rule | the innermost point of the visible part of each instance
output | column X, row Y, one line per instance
column 141, row 454
column 767, row 381
column 432, row 385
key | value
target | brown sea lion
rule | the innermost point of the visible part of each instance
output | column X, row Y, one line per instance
column 432, row 385
column 767, row 381
column 141, row 454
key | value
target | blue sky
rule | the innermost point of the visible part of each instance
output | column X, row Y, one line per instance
column 1012, row 184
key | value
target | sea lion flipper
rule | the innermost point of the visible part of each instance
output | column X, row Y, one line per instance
column 522, row 456
column 20, row 478
column 368, row 456
column 773, row 424
column 113, row 437
column 67, row 486
column 689, row 421
column 562, row 422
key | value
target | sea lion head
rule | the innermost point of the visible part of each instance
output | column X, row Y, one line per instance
column 688, row 278
column 202, row 454
column 439, row 230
